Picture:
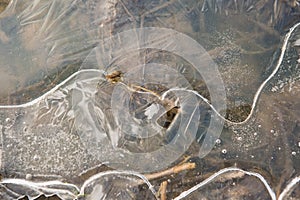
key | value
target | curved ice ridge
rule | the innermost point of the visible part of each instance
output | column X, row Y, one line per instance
column 33, row 102
column 255, row 98
column 75, row 192
column 272, row 194
column 259, row 90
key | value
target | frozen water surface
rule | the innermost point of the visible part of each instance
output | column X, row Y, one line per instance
column 150, row 99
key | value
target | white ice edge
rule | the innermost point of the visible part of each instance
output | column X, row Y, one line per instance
column 80, row 192
column 279, row 62
column 222, row 171
column 288, row 188
column 132, row 173
column 44, row 186
column 31, row 103
column 37, row 186
column 259, row 90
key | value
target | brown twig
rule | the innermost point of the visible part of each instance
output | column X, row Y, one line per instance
column 185, row 159
column 163, row 190
column 173, row 170
column 146, row 90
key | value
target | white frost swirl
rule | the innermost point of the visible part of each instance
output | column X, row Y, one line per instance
column 119, row 122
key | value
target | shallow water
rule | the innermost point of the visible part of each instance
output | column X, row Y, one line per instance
column 93, row 102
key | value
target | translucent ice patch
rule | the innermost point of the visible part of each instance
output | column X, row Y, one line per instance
column 111, row 132
column 148, row 110
column 39, row 137
column 41, row 38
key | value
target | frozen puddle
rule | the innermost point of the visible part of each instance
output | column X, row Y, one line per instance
column 119, row 111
